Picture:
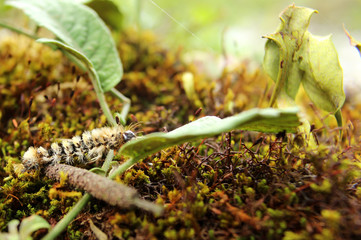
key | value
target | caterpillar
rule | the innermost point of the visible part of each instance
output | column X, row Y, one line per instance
column 87, row 147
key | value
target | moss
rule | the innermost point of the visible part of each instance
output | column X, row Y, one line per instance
column 240, row 185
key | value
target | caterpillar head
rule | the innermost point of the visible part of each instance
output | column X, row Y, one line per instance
column 128, row 135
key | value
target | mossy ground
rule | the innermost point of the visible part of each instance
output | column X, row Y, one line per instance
column 240, row 185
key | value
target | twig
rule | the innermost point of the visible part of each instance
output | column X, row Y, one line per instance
column 96, row 188
column 114, row 193
column 63, row 223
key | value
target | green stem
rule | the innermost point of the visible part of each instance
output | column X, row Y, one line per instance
column 108, row 160
column 281, row 79
column 100, row 95
column 18, row 31
column 122, row 168
column 278, row 88
column 63, row 223
column 126, row 107
column 338, row 116
column 97, row 86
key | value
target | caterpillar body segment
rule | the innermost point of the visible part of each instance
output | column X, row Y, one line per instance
column 88, row 147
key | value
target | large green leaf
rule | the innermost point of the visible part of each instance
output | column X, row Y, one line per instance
column 282, row 50
column 265, row 120
column 108, row 11
column 80, row 28
column 323, row 79
column 294, row 56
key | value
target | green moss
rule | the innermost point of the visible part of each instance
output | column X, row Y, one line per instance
column 326, row 234
column 241, row 185
column 296, row 236
column 332, row 218
column 324, row 187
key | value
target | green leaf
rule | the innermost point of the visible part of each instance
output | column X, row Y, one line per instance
column 32, row 224
column 80, row 28
column 131, row 11
column 72, row 51
column 108, row 11
column 338, row 117
column 282, row 49
column 271, row 61
column 294, row 56
column 295, row 21
column 188, row 85
column 323, row 81
column 265, row 120
column 98, row 170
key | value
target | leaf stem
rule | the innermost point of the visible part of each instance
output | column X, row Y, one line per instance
column 338, row 116
column 17, row 30
column 100, row 95
column 63, row 223
column 126, row 107
column 95, row 81
column 281, row 78
column 107, row 162
column 125, row 166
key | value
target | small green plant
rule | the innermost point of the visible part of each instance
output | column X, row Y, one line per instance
column 294, row 56
column 265, row 120
column 251, row 185
column 88, row 42
column 85, row 39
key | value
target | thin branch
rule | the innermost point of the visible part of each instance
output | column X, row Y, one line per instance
column 102, row 188
column 63, row 223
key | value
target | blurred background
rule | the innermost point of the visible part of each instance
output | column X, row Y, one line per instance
column 236, row 27
column 216, row 33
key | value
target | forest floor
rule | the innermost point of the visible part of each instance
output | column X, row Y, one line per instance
column 240, row 185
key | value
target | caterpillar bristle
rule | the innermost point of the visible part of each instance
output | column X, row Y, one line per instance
column 31, row 158
column 88, row 147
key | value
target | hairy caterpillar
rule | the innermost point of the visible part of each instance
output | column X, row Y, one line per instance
column 88, row 147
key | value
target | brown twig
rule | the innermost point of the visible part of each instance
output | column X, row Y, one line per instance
column 99, row 187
